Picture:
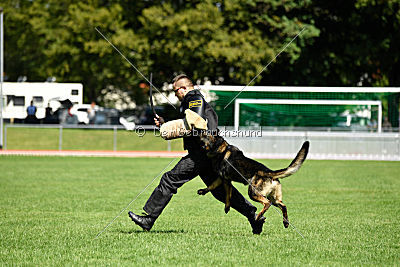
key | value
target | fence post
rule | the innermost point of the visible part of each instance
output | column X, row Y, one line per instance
column 60, row 138
column 115, row 138
column 5, row 138
column 398, row 145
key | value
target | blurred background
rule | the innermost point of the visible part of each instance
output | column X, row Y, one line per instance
column 351, row 44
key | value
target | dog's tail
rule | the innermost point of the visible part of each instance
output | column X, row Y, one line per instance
column 295, row 165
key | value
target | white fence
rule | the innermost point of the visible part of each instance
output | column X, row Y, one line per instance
column 323, row 145
column 285, row 144
column 61, row 127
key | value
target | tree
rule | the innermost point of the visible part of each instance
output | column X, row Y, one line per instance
column 228, row 42
column 358, row 38
column 59, row 39
column 231, row 40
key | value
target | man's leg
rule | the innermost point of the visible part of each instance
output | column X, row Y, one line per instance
column 185, row 170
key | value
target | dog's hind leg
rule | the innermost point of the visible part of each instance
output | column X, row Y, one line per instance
column 278, row 202
column 283, row 208
column 266, row 203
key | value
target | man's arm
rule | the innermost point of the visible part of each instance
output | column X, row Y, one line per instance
column 196, row 104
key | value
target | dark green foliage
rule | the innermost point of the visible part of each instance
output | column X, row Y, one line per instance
column 228, row 41
column 357, row 38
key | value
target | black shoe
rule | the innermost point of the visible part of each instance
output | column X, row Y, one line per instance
column 257, row 225
column 146, row 222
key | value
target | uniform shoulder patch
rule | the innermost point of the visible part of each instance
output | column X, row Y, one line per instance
column 195, row 103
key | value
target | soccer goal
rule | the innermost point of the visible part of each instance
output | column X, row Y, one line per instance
column 330, row 108
column 318, row 103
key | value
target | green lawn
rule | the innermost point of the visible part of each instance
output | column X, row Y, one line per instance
column 86, row 139
column 52, row 208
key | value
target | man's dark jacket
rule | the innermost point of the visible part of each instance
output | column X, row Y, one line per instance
column 195, row 101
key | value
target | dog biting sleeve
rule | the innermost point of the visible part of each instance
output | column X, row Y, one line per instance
column 182, row 127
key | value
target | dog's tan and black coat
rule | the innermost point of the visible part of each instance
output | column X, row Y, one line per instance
column 231, row 165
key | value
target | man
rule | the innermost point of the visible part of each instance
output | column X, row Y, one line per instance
column 31, row 111
column 92, row 112
column 194, row 164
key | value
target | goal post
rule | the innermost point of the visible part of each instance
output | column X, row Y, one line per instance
column 306, row 102
column 338, row 108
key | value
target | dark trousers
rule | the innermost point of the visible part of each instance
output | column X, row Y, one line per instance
column 185, row 170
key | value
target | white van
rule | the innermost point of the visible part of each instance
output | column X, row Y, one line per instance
column 18, row 96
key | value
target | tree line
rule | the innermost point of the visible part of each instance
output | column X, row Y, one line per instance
column 344, row 42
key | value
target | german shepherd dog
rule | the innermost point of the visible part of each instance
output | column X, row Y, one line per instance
column 231, row 165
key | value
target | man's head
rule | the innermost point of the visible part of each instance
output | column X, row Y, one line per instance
column 181, row 86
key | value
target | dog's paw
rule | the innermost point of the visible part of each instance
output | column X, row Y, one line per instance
column 202, row 191
column 286, row 223
column 227, row 208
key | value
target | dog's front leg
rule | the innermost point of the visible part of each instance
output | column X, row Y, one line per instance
column 212, row 186
column 228, row 192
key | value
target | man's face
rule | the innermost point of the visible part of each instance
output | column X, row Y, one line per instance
column 180, row 91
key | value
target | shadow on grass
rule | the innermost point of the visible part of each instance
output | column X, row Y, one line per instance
column 151, row 232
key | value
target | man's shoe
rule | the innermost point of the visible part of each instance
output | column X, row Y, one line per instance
column 146, row 222
column 257, row 225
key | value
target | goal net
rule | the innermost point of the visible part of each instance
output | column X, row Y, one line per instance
column 352, row 108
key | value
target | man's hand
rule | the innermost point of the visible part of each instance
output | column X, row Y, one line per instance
column 158, row 120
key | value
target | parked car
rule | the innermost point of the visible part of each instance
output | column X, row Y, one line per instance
column 109, row 116
column 102, row 116
column 82, row 112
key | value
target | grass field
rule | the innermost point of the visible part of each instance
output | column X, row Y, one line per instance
column 86, row 139
column 53, row 207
